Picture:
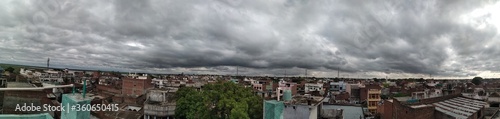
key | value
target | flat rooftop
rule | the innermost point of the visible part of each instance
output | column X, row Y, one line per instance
column 79, row 97
column 304, row 99
column 19, row 85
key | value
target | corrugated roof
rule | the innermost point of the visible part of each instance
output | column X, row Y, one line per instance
column 459, row 107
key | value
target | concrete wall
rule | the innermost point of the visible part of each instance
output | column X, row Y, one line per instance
column 299, row 112
column 12, row 98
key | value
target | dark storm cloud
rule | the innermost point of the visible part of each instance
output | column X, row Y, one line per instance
column 260, row 37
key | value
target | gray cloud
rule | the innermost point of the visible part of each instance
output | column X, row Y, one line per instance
column 400, row 38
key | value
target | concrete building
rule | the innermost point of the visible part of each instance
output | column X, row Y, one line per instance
column 14, row 97
column 51, row 76
column 136, row 85
column 75, row 100
column 371, row 94
column 299, row 107
column 373, row 100
column 354, row 91
column 160, row 104
column 264, row 88
column 310, row 87
column 453, row 106
column 284, row 86
column 338, row 86
column 427, row 93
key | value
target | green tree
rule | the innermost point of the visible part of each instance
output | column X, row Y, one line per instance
column 222, row 100
column 386, row 85
column 10, row 70
column 477, row 80
column 420, row 80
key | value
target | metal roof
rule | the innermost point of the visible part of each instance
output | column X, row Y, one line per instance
column 459, row 107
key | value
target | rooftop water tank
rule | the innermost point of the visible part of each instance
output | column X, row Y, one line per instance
column 287, row 95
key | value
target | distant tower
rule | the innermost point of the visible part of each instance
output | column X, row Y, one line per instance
column 48, row 61
column 237, row 71
column 306, row 73
column 338, row 72
column 285, row 73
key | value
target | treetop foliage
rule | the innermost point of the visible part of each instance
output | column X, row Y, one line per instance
column 222, row 100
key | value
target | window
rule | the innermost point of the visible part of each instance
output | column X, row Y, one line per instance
column 372, row 103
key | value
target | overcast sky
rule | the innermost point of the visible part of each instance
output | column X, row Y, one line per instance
column 398, row 38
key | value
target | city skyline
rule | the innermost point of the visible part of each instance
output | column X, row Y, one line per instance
column 359, row 38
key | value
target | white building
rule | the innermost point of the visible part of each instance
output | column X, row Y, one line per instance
column 309, row 87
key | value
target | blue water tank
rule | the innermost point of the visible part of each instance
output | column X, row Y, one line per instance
column 287, row 95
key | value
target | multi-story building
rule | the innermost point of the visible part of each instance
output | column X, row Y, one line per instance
column 51, row 76
column 310, row 87
column 284, row 86
column 264, row 88
column 160, row 104
column 136, row 85
column 373, row 99
column 133, row 88
column 299, row 107
column 427, row 93
column 354, row 91
column 371, row 94
column 288, row 86
column 338, row 86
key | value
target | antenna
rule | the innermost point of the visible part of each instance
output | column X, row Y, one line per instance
column 237, row 71
column 48, row 61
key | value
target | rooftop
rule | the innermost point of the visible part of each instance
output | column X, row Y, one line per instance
column 26, row 116
column 421, row 106
column 306, row 99
column 459, row 107
column 19, row 85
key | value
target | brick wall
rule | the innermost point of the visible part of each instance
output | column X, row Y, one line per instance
column 110, row 89
column 135, row 86
column 117, row 99
column 363, row 94
column 294, row 89
column 134, row 100
column 385, row 110
column 406, row 112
